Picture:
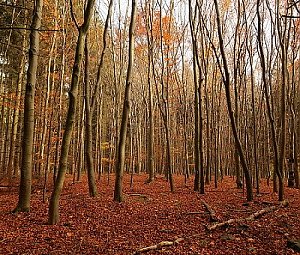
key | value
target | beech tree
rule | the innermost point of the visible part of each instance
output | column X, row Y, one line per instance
column 82, row 30
column 226, row 82
column 27, row 144
column 120, row 156
column 198, row 94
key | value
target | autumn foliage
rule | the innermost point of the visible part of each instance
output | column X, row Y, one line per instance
column 149, row 215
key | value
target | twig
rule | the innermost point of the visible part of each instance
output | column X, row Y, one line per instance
column 158, row 246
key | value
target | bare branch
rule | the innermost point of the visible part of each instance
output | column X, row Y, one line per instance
column 14, row 6
column 31, row 29
column 72, row 15
column 290, row 16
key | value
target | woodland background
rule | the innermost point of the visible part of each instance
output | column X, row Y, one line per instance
column 202, row 89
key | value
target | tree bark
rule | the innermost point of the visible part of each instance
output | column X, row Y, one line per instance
column 27, row 144
column 150, row 133
column 196, row 103
column 226, row 81
column 88, row 126
column 120, row 157
column 53, row 215
column 277, row 171
column 16, row 115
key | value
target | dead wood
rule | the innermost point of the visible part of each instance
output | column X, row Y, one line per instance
column 136, row 195
column 252, row 217
column 8, row 186
column 158, row 246
column 212, row 213
column 260, row 213
column 142, row 196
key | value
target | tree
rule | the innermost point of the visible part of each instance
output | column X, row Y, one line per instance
column 150, row 133
column 198, row 79
column 120, row 157
column 53, row 215
column 226, row 82
column 90, row 104
column 88, row 125
column 278, row 153
column 27, row 145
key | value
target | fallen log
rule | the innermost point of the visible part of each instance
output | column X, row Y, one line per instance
column 252, row 217
column 212, row 213
column 260, row 213
column 158, row 246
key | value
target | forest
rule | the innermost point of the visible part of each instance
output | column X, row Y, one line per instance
column 149, row 127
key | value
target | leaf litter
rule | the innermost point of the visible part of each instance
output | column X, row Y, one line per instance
column 150, row 215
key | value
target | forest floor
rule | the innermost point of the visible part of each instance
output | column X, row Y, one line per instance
column 101, row 226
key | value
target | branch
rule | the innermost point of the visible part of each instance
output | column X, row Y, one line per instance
column 293, row 4
column 14, row 6
column 73, row 16
column 158, row 246
column 31, row 29
column 290, row 16
column 212, row 213
column 252, row 217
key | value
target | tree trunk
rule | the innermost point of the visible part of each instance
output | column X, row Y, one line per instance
column 120, row 157
column 15, row 124
column 196, row 103
column 27, row 144
column 88, row 127
column 150, row 134
column 54, row 202
column 277, row 171
column 282, row 30
column 226, row 80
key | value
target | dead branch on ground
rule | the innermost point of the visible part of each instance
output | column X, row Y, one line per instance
column 158, row 246
column 212, row 213
column 252, row 217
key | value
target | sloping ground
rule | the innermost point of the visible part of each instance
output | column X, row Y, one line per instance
column 100, row 226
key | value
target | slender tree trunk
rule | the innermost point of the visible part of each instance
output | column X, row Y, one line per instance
column 15, row 124
column 45, row 107
column 239, row 178
column 150, row 134
column 27, row 145
column 284, row 83
column 88, row 127
column 208, row 135
column 201, row 137
column 295, row 151
column 54, row 202
column 255, row 138
column 120, row 157
column 277, row 172
column 196, row 102
column 226, row 80
column 62, row 80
